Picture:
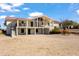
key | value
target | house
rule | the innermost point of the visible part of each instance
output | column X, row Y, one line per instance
column 26, row 26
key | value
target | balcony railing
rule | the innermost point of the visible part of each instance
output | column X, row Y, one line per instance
column 22, row 24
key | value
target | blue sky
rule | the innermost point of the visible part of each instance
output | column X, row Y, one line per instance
column 57, row 11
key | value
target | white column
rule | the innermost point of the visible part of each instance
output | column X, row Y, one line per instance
column 17, row 31
column 43, row 30
column 37, row 22
column 27, row 23
column 35, row 30
column 17, row 28
column 17, row 23
column 26, row 32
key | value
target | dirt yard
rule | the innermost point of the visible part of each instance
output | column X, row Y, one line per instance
column 39, row 45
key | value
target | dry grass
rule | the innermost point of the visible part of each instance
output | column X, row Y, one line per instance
column 39, row 45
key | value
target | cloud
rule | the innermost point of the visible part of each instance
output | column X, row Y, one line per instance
column 1, row 11
column 15, row 10
column 26, row 8
column 36, row 14
column 77, row 11
column 12, row 15
column 10, row 7
column 16, row 4
column 5, row 7
column 73, row 7
column 2, row 17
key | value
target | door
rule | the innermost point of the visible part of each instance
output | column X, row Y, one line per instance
column 29, row 31
column 36, row 31
column 22, row 31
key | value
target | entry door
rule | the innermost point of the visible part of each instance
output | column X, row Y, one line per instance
column 36, row 31
column 29, row 31
column 22, row 31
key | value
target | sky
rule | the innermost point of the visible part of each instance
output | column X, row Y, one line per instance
column 56, row 11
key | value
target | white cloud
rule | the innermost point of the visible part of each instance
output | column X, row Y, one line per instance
column 12, row 15
column 5, row 7
column 2, row 11
column 16, row 4
column 15, row 10
column 77, row 11
column 10, row 7
column 2, row 17
column 36, row 14
column 26, row 8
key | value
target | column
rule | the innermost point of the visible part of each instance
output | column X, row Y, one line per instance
column 17, row 27
column 35, row 31
column 37, row 22
column 27, row 23
column 26, row 31
column 33, row 23
column 16, row 31
column 17, row 23
column 43, row 30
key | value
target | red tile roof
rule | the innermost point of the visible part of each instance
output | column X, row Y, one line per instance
column 14, row 18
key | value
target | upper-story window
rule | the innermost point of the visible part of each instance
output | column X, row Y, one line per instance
column 22, row 22
column 40, row 19
column 31, row 24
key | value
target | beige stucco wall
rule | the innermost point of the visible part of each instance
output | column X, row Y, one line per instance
column 8, row 31
column 32, row 31
column 9, row 26
column 56, row 25
column 40, row 31
column 19, row 30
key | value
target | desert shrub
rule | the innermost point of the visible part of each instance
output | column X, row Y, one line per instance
column 66, row 31
column 55, row 31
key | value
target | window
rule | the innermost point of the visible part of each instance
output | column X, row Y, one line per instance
column 22, row 22
column 32, row 24
column 22, row 30
column 36, row 30
column 40, row 19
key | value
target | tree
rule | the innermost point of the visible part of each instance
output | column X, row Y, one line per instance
column 69, row 24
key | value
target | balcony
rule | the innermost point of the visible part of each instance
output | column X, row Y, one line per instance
column 23, row 24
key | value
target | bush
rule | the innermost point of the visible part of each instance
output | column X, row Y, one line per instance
column 55, row 31
column 66, row 31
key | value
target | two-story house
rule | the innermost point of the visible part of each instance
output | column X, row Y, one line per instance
column 27, row 26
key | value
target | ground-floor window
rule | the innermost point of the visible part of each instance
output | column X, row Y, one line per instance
column 22, row 30
column 29, row 31
column 36, row 30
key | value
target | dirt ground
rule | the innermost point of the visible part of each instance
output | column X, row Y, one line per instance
column 39, row 45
